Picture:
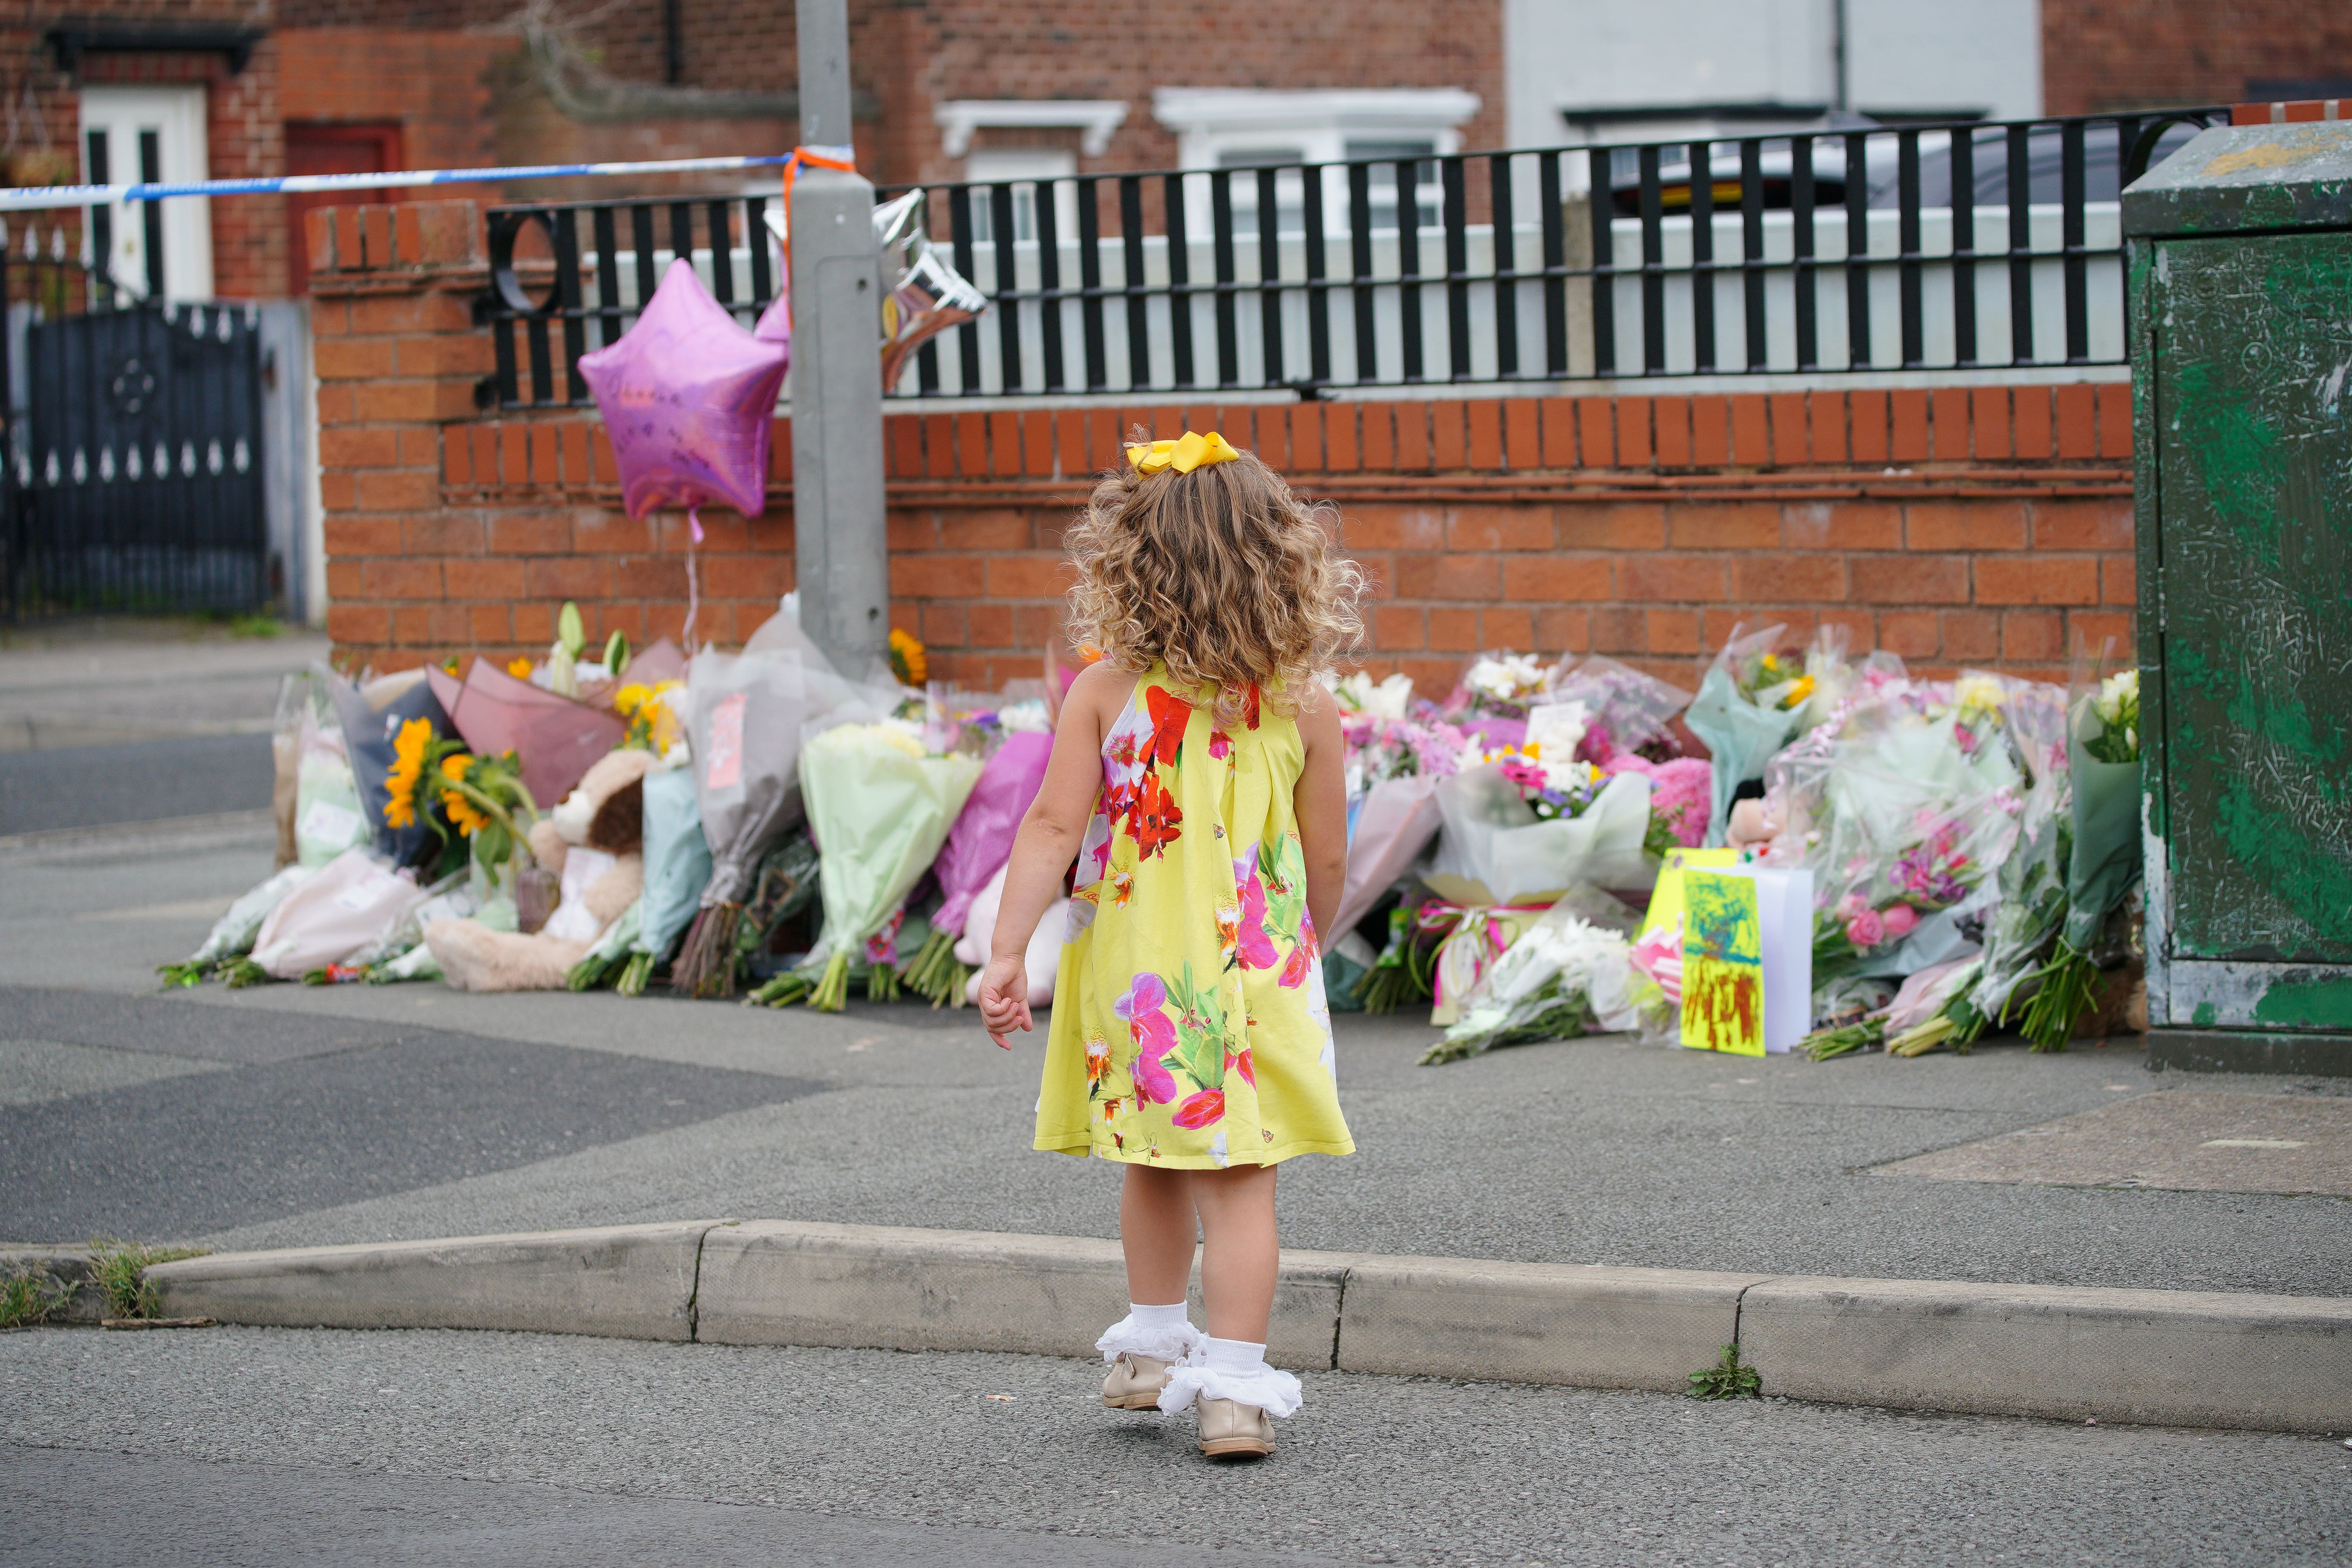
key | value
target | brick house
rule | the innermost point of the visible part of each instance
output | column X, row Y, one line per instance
column 981, row 88
column 1980, row 523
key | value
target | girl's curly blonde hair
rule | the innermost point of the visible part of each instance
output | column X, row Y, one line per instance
column 1222, row 573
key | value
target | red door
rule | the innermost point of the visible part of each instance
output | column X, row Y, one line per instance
column 314, row 149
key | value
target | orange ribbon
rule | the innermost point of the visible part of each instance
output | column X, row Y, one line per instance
column 841, row 158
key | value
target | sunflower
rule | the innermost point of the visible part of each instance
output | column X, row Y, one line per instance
column 520, row 668
column 464, row 814
column 907, row 660
column 407, row 767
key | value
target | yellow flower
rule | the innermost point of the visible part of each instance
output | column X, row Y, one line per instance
column 407, row 767
column 1799, row 691
column 454, row 765
column 629, row 698
column 907, row 660
column 464, row 815
column 520, row 668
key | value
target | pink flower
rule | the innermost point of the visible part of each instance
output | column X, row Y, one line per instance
column 1899, row 919
column 1257, row 947
column 1865, row 931
column 1682, row 794
column 1154, row 1034
column 1201, row 1108
column 1523, row 774
column 1220, row 745
column 1240, row 1063
column 1852, row 905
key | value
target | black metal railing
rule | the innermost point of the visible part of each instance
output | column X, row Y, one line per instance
column 1812, row 252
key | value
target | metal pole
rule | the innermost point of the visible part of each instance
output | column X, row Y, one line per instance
column 840, row 552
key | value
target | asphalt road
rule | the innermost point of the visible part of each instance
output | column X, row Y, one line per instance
column 255, row 1446
column 82, row 787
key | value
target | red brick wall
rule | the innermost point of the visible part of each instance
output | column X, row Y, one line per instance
column 914, row 54
column 2125, row 54
column 1982, row 526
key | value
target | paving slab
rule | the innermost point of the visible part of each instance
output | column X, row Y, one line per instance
column 2186, row 1141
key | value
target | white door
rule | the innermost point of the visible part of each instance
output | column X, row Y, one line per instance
column 132, row 133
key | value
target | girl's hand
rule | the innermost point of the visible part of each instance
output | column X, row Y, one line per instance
column 1004, row 999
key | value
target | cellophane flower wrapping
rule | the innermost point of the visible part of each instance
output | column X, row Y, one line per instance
column 1630, row 712
column 1392, row 767
column 1905, row 806
column 2029, row 906
column 2104, row 860
column 1745, row 711
column 1563, row 976
column 880, row 807
column 232, row 935
column 677, row 861
column 981, row 839
column 1491, row 838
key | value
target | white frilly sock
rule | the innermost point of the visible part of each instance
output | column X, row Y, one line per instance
column 1234, row 1370
column 1163, row 1333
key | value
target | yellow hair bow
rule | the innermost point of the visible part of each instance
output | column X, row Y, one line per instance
column 1192, row 451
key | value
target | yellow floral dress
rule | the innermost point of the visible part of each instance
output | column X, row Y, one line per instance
column 1189, row 1028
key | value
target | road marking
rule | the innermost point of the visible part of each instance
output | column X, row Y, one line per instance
column 185, row 909
column 2252, row 1144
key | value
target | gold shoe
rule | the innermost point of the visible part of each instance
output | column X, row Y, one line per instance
column 1135, row 1383
column 1232, row 1431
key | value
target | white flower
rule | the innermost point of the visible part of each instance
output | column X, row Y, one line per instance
column 1389, row 699
column 1508, row 677
column 2114, row 691
column 1557, row 728
column 1027, row 716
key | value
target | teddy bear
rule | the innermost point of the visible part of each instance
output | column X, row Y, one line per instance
column 593, row 842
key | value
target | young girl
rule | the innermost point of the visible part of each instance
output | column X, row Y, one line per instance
column 1196, row 780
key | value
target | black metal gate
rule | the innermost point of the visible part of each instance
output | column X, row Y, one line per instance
column 135, row 463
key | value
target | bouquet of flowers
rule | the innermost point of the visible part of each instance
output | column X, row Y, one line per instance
column 2103, row 862
column 1495, row 695
column 1498, row 865
column 677, row 867
column 1746, row 711
column 1631, row 713
column 1392, row 767
column 232, row 935
column 1563, row 976
column 880, row 806
column 750, row 713
column 976, row 848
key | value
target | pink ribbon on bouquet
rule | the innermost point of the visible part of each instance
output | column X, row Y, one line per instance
column 1474, row 937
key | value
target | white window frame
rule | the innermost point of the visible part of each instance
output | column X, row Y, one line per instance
column 1213, row 123
column 1093, row 119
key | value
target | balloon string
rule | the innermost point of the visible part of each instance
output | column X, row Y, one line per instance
column 693, row 576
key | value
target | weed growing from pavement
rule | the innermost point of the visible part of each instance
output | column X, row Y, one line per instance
column 30, row 1296
column 121, row 1266
column 1728, row 1378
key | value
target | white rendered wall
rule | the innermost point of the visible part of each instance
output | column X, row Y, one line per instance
column 1904, row 54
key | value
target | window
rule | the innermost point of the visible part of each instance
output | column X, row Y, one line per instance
column 1238, row 127
column 1026, row 164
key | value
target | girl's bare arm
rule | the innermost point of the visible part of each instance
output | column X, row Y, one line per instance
column 1320, row 803
column 1048, row 842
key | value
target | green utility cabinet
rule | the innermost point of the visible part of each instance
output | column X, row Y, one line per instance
column 2240, row 254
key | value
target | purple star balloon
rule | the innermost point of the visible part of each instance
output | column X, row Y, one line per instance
column 688, row 398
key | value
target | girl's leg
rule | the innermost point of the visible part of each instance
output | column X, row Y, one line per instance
column 1156, row 1227
column 1239, row 1253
